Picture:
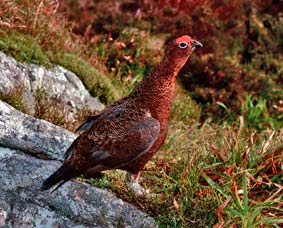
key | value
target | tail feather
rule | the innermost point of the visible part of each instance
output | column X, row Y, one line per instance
column 62, row 175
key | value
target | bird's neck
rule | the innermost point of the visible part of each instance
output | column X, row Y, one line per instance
column 156, row 91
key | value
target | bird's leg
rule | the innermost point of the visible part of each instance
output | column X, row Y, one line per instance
column 132, row 181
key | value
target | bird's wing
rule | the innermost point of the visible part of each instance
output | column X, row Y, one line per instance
column 87, row 124
column 90, row 120
column 114, row 139
column 120, row 151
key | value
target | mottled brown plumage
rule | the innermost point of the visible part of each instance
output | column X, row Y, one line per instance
column 126, row 134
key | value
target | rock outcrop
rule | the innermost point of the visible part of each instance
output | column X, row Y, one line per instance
column 57, row 82
column 34, row 136
column 75, row 204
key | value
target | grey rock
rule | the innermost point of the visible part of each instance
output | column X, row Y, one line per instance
column 75, row 204
column 57, row 82
column 34, row 136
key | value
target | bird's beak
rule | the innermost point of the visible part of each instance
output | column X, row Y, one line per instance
column 196, row 44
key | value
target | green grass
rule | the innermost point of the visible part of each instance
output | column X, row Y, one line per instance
column 257, row 115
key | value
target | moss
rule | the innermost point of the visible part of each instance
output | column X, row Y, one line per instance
column 23, row 48
column 95, row 82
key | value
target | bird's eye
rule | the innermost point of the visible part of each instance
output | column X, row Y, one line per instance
column 183, row 45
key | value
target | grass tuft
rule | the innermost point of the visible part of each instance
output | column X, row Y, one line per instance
column 14, row 98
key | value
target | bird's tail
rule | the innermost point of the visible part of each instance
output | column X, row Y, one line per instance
column 60, row 176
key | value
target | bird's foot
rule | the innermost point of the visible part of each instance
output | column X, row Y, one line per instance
column 132, row 181
column 137, row 188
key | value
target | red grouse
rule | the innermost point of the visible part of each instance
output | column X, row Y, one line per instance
column 126, row 134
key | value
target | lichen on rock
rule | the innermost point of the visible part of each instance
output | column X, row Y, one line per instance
column 57, row 82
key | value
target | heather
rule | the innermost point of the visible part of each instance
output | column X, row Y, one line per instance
column 221, row 164
column 242, row 54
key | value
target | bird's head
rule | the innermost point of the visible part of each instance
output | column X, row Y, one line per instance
column 180, row 49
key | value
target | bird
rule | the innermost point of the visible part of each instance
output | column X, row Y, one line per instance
column 128, row 132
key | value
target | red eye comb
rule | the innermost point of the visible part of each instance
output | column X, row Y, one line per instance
column 184, row 38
